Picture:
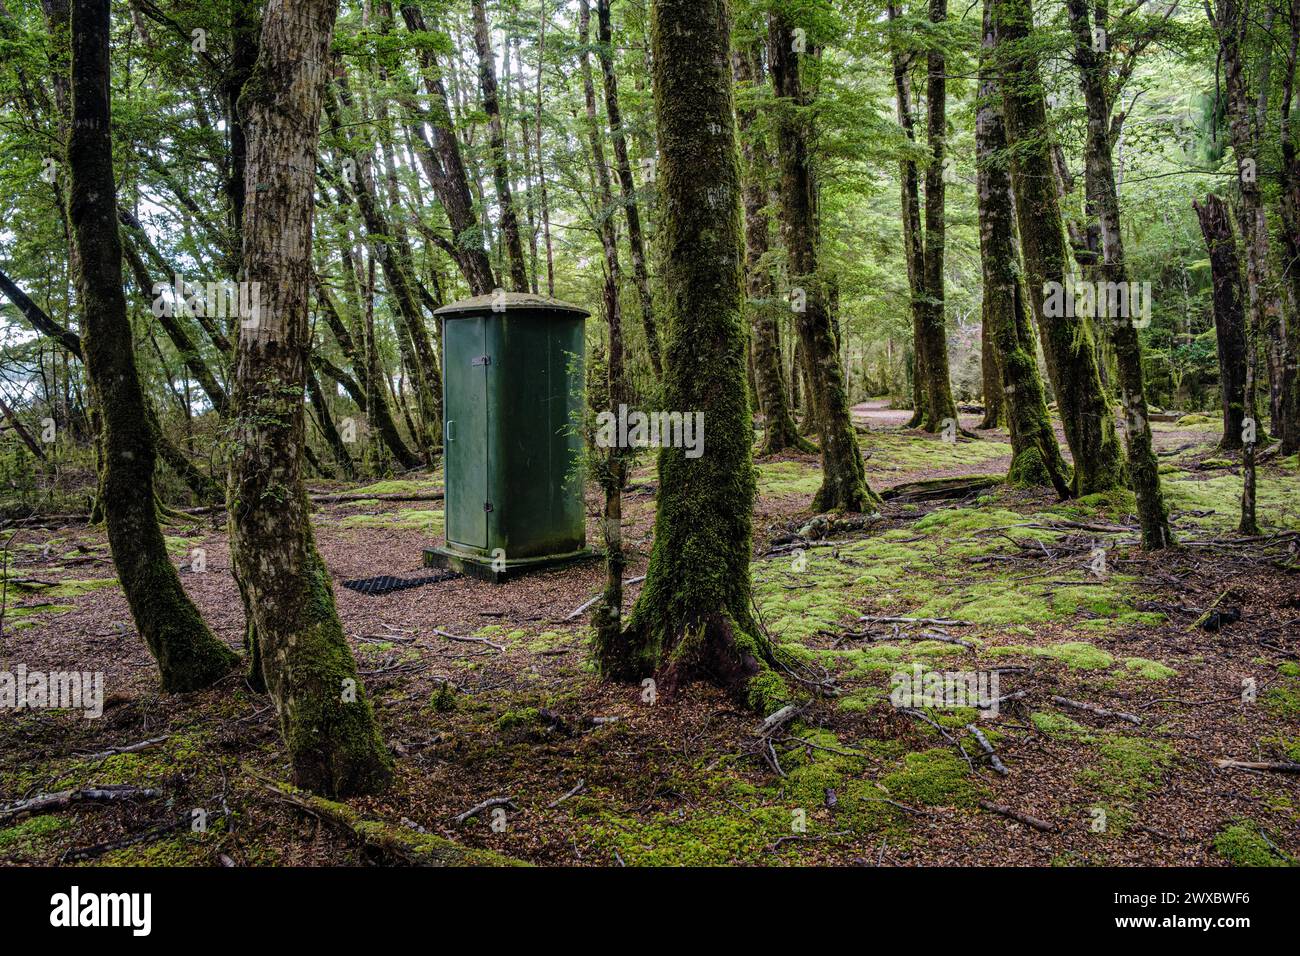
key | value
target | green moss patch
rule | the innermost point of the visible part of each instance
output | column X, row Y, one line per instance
column 1242, row 844
column 932, row 778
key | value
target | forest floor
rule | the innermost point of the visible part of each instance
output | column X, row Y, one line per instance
column 1055, row 595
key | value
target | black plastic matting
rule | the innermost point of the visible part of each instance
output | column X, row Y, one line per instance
column 386, row 584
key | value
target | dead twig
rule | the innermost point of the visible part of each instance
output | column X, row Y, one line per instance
column 469, row 640
column 487, row 804
column 1025, row 818
column 1094, row 709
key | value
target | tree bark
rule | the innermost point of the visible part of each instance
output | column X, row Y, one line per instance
column 1143, row 468
column 939, row 405
column 325, row 717
column 608, row 619
column 1290, row 215
column 636, row 242
column 445, row 168
column 189, row 657
column 913, row 232
column 1231, row 21
column 780, row 430
column 487, row 80
column 844, row 486
column 1229, row 316
column 1035, row 456
column 1067, row 339
column 693, row 619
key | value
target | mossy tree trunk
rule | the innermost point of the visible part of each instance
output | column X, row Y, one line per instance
column 608, row 620
column 1232, row 25
column 1229, row 315
column 693, row 618
column 990, row 375
column 328, row 726
column 1143, row 468
column 780, row 430
column 1035, row 455
column 189, row 657
column 844, row 485
column 913, row 232
column 1289, row 176
column 939, row 404
column 1232, row 20
column 1068, row 341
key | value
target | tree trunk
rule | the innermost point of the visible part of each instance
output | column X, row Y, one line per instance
column 325, row 717
column 990, row 377
column 1035, row 456
column 1263, row 295
column 487, row 79
column 370, row 399
column 693, row 619
column 1067, row 339
column 1143, row 468
column 780, row 431
column 445, row 168
column 189, row 657
column 608, row 619
column 1290, row 215
column 338, row 448
column 913, row 233
column 1229, row 316
column 844, row 486
column 939, row 405
column 636, row 242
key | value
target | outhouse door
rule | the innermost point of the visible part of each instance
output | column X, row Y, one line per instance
column 466, row 365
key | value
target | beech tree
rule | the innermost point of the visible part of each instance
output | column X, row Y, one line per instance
column 298, row 642
column 1067, row 339
column 1036, row 457
column 844, row 485
column 188, row 656
column 694, row 619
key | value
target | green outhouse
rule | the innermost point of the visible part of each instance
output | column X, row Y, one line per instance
column 512, row 379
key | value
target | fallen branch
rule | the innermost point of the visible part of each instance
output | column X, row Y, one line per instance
column 932, row 621
column 46, row 802
column 1277, row 766
column 577, row 789
column 1094, row 709
column 129, row 748
column 987, row 747
column 99, row 849
column 393, row 842
column 587, row 605
column 487, row 804
column 777, row 718
column 469, row 640
column 1025, row 818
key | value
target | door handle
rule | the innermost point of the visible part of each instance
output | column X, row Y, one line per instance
column 450, row 422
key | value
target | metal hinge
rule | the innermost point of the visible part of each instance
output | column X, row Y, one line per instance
column 487, row 506
column 481, row 360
